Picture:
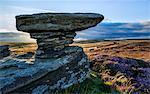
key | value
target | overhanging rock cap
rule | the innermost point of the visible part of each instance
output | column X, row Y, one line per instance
column 57, row 21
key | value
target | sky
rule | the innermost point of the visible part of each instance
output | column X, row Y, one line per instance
column 113, row 10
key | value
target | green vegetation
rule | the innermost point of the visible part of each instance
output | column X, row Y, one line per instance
column 93, row 85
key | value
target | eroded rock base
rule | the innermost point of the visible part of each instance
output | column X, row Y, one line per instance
column 45, row 75
column 51, row 44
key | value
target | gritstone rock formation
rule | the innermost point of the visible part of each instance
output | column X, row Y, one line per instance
column 56, row 64
column 53, row 31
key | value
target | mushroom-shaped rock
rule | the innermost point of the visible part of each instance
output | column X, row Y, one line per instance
column 54, row 30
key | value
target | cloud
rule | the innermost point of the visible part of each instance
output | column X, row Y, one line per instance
column 22, row 10
column 7, row 17
column 79, row 39
column 145, row 23
column 7, row 30
column 90, row 32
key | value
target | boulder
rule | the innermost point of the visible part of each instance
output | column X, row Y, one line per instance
column 4, row 51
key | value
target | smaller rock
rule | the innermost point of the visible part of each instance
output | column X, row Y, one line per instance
column 4, row 51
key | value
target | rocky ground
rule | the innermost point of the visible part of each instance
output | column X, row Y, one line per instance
column 122, row 65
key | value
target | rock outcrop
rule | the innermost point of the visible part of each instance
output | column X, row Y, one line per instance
column 56, row 65
column 4, row 51
column 54, row 31
column 20, row 76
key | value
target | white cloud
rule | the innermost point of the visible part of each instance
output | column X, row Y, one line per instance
column 7, row 18
column 6, row 30
column 90, row 32
column 79, row 39
column 22, row 10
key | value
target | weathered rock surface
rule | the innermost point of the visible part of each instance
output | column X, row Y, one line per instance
column 19, row 76
column 53, row 31
column 4, row 51
column 51, row 44
column 57, row 21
